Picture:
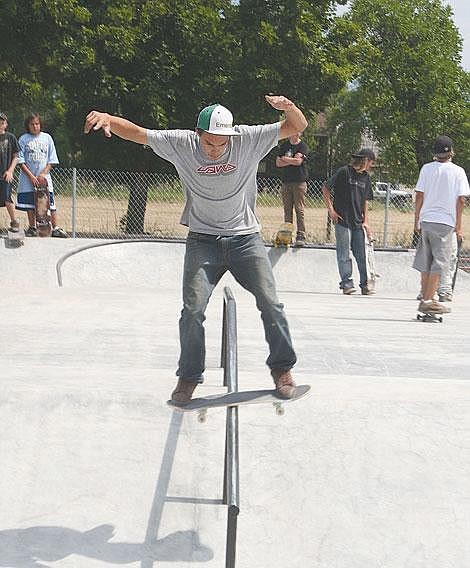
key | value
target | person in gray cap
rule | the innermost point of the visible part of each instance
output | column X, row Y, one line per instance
column 9, row 150
column 217, row 165
column 346, row 195
column 440, row 198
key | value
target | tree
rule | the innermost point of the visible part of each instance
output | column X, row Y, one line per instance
column 290, row 47
column 410, row 86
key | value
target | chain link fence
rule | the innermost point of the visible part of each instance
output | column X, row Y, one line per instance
column 124, row 205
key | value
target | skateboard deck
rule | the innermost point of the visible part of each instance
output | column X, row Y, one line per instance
column 284, row 235
column 15, row 239
column 370, row 261
column 429, row 318
column 459, row 252
column 203, row 404
column 42, row 209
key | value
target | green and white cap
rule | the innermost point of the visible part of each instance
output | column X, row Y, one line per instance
column 216, row 119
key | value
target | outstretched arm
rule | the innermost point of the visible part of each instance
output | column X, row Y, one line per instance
column 115, row 125
column 295, row 120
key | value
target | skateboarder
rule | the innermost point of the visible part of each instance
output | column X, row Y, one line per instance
column 348, row 209
column 217, row 165
column 440, row 199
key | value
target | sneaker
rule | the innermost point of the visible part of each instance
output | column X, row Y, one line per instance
column 183, row 391
column 31, row 232
column 433, row 307
column 367, row 291
column 445, row 297
column 349, row 290
column 58, row 232
column 285, row 386
column 300, row 243
column 14, row 226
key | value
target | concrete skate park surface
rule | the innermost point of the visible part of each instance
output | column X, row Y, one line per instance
column 369, row 471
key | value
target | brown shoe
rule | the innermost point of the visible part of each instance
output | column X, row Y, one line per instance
column 183, row 391
column 433, row 308
column 349, row 290
column 285, row 386
column 367, row 291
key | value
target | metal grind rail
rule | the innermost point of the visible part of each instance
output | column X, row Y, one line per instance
column 229, row 362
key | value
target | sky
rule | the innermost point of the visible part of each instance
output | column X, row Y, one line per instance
column 462, row 21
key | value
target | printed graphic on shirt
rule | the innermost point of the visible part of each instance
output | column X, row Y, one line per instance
column 217, row 169
column 36, row 151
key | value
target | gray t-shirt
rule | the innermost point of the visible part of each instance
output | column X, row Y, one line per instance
column 220, row 194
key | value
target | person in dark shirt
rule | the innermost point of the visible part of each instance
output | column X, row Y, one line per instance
column 9, row 151
column 346, row 195
column 292, row 161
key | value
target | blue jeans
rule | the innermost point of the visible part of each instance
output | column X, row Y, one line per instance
column 350, row 240
column 207, row 259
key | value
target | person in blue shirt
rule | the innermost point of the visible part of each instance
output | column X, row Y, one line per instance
column 36, row 159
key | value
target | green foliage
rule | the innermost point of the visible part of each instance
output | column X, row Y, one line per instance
column 409, row 85
column 157, row 62
column 290, row 47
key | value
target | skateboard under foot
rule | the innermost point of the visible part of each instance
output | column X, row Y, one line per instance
column 203, row 404
column 430, row 318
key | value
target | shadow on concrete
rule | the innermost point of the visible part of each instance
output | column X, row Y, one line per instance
column 31, row 547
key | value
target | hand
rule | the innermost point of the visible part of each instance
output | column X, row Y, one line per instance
column 40, row 181
column 8, row 176
column 368, row 231
column 334, row 216
column 279, row 102
column 96, row 120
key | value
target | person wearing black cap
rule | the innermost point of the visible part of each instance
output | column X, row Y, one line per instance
column 440, row 199
column 9, row 151
column 346, row 195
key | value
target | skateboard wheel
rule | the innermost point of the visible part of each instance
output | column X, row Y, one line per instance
column 202, row 416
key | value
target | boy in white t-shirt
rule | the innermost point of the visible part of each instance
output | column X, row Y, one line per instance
column 440, row 199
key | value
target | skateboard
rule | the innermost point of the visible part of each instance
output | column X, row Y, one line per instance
column 15, row 239
column 42, row 209
column 370, row 261
column 203, row 404
column 459, row 252
column 429, row 318
column 283, row 237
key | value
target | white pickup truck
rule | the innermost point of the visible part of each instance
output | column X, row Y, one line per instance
column 398, row 195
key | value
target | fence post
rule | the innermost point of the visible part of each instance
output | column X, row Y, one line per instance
column 387, row 206
column 74, row 201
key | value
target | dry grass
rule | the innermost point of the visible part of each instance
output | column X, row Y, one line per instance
column 104, row 217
